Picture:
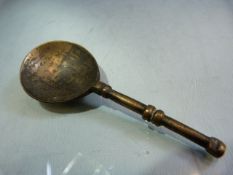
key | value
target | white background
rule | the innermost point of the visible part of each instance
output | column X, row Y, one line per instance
column 176, row 55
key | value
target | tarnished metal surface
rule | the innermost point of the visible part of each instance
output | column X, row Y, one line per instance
column 212, row 145
column 61, row 71
column 58, row 71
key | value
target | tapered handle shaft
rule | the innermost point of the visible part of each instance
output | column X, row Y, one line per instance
column 212, row 145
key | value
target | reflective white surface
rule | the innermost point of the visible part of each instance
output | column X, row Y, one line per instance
column 176, row 55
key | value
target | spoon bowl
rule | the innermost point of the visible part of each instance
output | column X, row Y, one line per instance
column 58, row 71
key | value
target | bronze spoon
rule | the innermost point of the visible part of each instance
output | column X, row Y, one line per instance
column 61, row 71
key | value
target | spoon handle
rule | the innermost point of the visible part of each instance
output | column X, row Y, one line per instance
column 213, row 146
